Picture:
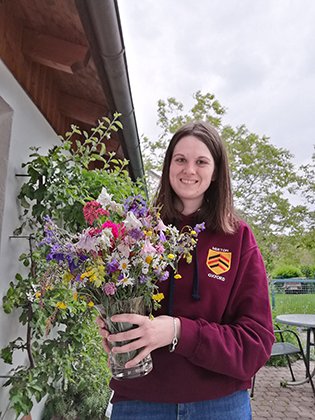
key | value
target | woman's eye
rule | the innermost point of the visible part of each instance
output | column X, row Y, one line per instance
column 179, row 160
column 201, row 162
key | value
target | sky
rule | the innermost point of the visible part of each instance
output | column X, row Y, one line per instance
column 256, row 56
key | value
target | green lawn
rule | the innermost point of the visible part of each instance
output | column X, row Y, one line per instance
column 293, row 304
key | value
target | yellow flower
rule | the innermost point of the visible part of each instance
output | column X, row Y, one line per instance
column 75, row 296
column 171, row 256
column 67, row 277
column 149, row 233
column 158, row 297
column 177, row 276
column 38, row 295
column 193, row 232
column 148, row 259
column 88, row 273
column 188, row 258
column 61, row 305
column 90, row 304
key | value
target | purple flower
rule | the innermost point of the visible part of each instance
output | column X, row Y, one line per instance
column 136, row 205
column 162, row 236
column 164, row 276
column 136, row 234
column 199, row 227
column 143, row 279
column 112, row 266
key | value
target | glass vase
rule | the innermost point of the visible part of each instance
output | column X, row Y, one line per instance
column 117, row 361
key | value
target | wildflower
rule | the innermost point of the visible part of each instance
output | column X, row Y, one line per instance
column 123, row 264
column 109, row 289
column 158, row 297
column 171, row 256
column 200, row 227
column 136, row 205
column 177, row 276
column 126, row 281
column 164, row 276
column 67, row 277
column 112, row 266
column 90, row 304
column 61, row 305
column 92, row 210
column 148, row 259
column 131, row 221
column 188, row 257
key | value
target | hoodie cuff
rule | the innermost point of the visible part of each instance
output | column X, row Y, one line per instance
column 189, row 337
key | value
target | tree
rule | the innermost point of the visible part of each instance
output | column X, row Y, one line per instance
column 265, row 180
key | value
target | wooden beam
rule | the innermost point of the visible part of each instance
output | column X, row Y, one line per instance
column 81, row 109
column 54, row 52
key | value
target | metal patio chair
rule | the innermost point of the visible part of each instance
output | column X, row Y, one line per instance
column 285, row 348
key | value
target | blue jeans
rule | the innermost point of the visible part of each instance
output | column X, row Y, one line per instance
column 233, row 407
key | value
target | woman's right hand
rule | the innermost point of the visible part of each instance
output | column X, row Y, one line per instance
column 103, row 332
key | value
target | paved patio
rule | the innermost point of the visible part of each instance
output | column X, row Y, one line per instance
column 272, row 401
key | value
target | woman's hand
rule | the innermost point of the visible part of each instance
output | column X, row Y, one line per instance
column 103, row 332
column 148, row 336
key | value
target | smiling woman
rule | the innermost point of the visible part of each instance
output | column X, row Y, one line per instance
column 214, row 325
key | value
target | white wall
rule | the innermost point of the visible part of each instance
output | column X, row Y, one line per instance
column 29, row 128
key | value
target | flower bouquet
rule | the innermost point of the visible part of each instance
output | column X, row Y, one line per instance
column 118, row 261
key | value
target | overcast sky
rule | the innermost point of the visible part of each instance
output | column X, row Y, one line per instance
column 257, row 57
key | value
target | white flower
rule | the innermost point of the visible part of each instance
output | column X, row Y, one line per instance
column 145, row 269
column 123, row 264
column 131, row 222
column 105, row 199
column 161, row 226
column 87, row 242
column 124, row 250
column 105, row 239
column 126, row 281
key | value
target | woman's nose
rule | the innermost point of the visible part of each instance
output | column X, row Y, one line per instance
column 189, row 168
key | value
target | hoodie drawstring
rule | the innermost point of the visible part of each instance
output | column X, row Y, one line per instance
column 195, row 288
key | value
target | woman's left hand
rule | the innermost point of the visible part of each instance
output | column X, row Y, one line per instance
column 148, row 336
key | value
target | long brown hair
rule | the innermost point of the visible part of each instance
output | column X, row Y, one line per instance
column 217, row 209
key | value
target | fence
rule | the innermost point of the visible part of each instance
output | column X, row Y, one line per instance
column 294, row 285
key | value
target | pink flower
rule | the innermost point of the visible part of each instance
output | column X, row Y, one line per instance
column 109, row 289
column 148, row 248
column 92, row 210
column 117, row 229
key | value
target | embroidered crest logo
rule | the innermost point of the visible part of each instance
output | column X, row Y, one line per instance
column 219, row 262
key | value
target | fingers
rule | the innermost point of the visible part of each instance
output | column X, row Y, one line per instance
column 103, row 333
column 131, row 318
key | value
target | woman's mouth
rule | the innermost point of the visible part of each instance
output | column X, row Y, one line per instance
column 188, row 181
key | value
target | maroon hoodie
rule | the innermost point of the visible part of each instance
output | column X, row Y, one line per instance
column 226, row 325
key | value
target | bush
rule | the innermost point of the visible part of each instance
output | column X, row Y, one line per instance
column 308, row 271
column 286, row 272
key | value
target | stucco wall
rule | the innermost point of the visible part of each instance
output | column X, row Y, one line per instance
column 23, row 126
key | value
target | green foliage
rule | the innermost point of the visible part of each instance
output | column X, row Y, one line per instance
column 308, row 271
column 66, row 361
column 286, row 272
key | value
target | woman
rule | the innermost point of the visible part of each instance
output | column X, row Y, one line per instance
column 214, row 329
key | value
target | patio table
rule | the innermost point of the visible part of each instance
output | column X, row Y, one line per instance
column 307, row 322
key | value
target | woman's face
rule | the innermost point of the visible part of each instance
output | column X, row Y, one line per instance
column 191, row 171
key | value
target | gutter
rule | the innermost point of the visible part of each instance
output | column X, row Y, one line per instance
column 101, row 22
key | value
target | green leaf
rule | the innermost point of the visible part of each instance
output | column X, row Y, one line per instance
column 7, row 354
